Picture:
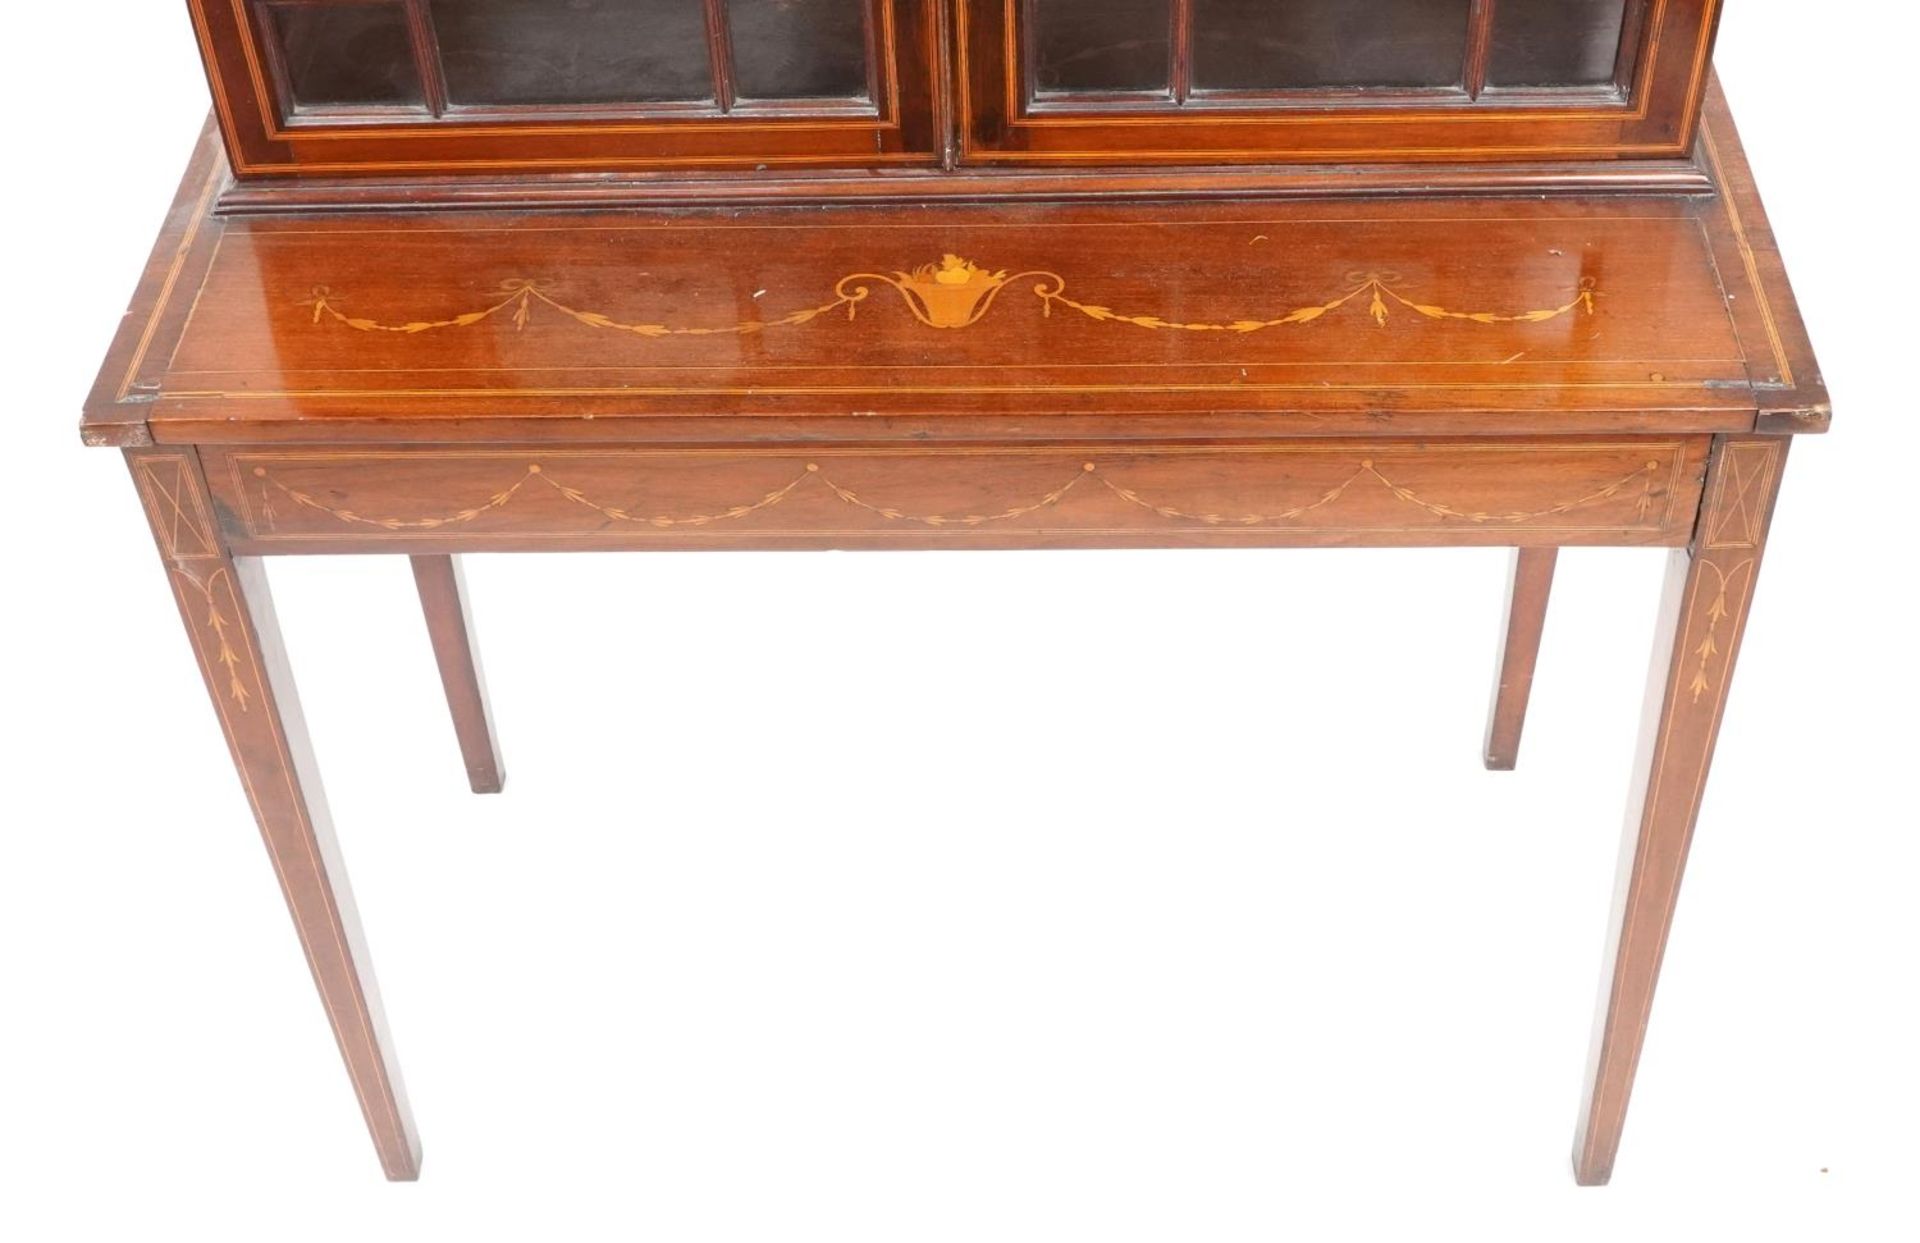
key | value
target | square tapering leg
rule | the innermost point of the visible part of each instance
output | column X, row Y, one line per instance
column 229, row 618
column 443, row 597
column 1528, row 587
column 1703, row 614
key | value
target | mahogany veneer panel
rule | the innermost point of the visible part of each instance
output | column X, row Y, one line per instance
column 702, row 311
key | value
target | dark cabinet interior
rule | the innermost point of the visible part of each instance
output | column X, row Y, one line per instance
column 1194, row 50
column 1258, row 45
column 788, row 50
column 461, row 57
column 1561, row 43
column 342, row 56
column 506, row 53
column 335, row 87
column 1122, row 47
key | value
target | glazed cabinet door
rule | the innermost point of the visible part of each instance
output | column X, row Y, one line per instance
column 336, row 87
column 1276, row 81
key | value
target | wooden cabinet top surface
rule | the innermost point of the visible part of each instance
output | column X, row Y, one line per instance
column 1411, row 316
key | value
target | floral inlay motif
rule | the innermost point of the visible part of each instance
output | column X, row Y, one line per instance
column 953, row 293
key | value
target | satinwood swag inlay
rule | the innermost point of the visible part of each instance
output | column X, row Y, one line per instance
column 1642, row 484
column 954, row 293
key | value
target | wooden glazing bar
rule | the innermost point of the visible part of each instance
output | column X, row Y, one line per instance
column 1479, row 47
column 720, row 52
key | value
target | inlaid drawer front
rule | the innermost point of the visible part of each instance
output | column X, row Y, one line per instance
column 1548, row 491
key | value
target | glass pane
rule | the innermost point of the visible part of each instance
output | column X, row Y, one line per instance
column 346, row 54
column 1253, row 45
column 1102, row 45
column 573, row 51
column 799, row 49
column 1555, row 42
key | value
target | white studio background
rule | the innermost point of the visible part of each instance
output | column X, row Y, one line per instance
column 894, row 897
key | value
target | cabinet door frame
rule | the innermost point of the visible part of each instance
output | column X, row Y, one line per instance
column 1002, row 120
column 266, row 138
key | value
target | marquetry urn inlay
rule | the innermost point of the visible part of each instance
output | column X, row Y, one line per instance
column 953, row 293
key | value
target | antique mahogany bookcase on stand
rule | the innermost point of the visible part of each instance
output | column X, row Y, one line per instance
column 456, row 276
